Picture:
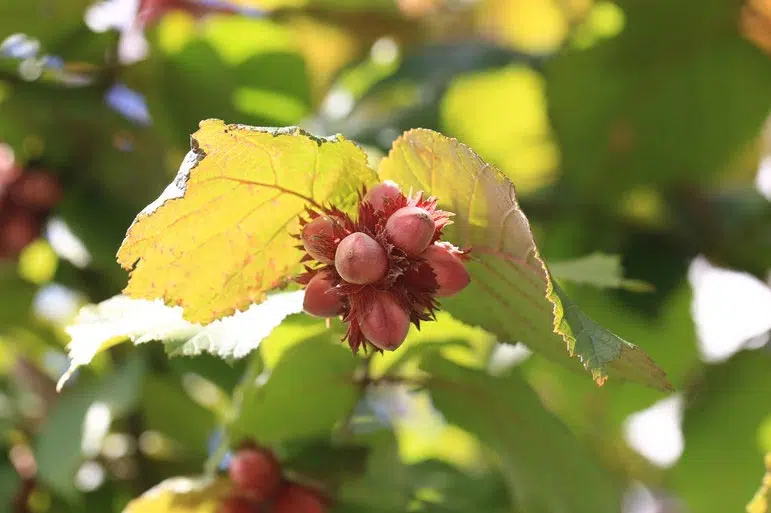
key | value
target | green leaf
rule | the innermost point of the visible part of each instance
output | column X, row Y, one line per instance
column 232, row 67
column 632, row 111
column 502, row 114
column 327, row 463
column 308, row 392
column 99, row 327
column 669, row 337
column 220, row 236
column 442, row 487
column 511, row 293
column 410, row 96
column 168, row 409
column 601, row 349
column 546, row 468
column 42, row 19
column 182, row 495
column 723, row 426
column 16, row 298
column 58, row 444
column 598, row 269
column 385, row 486
column 9, row 481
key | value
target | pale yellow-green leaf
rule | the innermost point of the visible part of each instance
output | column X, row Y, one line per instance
column 220, row 236
column 762, row 500
column 99, row 327
column 511, row 293
column 182, row 495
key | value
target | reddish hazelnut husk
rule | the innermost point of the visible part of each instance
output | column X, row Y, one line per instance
column 451, row 275
column 376, row 195
column 20, row 229
column 256, row 472
column 36, row 190
column 321, row 299
column 385, row 323
column 411, row 230
column 238, row 505
column 317, row 237
column 9, row 171
column 293, row 498
column 360, row 259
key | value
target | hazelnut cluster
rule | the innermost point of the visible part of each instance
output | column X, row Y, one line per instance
column 382, row 271
column 26, row 198
column 259, row 486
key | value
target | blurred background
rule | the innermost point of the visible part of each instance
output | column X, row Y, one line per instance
column 635, row 127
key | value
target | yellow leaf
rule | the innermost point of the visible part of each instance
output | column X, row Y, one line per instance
column 220, row 236
column 760, row 502
column 502, row 114
column 182, row 495
column 533, row 26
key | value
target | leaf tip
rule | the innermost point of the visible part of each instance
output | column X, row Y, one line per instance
column 210, row 121
column 65, row 378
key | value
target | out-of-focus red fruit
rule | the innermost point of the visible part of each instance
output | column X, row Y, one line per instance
column 418, row 8
column 8, row 169
column 385, row 323
column 238, row 505
column 20, row 228
column 257, row 472
column 36, row 189
column 360, row 259
column 321, row 299
column 451, row 275
column 150, row 11
column 318, row 237
column 380, row 192
column 293, row 498
column 411, row 229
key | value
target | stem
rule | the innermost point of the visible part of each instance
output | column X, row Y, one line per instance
column 21, row 500
column 361, row 378
column 212, row 464
column 252, row 372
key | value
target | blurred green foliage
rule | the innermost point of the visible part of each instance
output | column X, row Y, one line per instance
column 629, row 128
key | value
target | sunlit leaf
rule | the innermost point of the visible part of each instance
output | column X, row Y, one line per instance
column 545, row 466
column 601, row 349
column 502, row 114
column 234, row 67
column 220, row 236
column 534, row 27
column 669, row 338
column 182, row 495
column 120, row 318
column 411, row 95
column 511, row 293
